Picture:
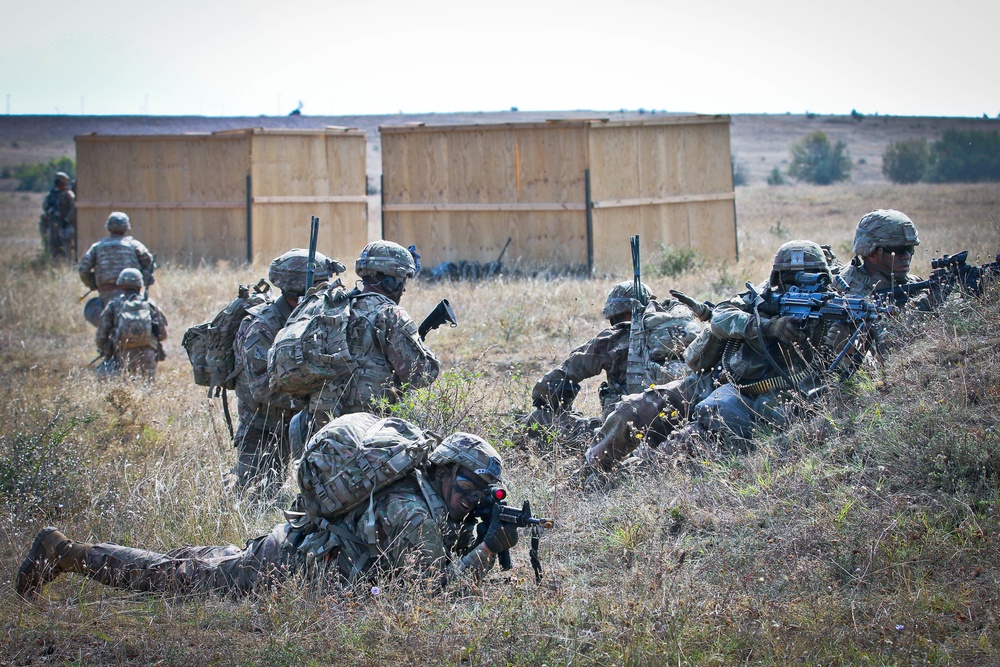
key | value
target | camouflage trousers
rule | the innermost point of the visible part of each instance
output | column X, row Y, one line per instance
column 262, row 447
column 650, row 416
column 566, row 427
column 215, row 569
column 140, row 364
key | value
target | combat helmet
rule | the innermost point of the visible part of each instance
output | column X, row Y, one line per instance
column 61, row 177
column 385, row 257
column 471, row 453
column 620, row 298
column 118, row 223
column 131, row 278
column 288, row 272
column 884, row 228
column 795, row 257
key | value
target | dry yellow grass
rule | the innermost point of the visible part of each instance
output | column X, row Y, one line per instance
column 812, row 547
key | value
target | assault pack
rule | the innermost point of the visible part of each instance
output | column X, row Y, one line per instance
column 210, row 345
column 311, row 350
column 134, row 326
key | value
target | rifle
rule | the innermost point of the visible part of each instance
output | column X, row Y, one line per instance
column 152, row 269
column 635, row 370
column 311, row 262
column 815, row 301
column 494, row 267
column 442, row 313
column 947, row 271
column 88, row 294
column 522, row 518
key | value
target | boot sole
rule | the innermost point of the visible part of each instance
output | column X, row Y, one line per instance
column 29, row 580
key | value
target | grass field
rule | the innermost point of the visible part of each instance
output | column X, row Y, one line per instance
column 866, row 534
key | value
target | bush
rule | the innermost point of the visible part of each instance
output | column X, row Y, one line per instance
column 775, row 177
column 906, row 161
column 965, row 156
column 816, row 160
column 38, row 177
column 675, row 261
column 739, row 172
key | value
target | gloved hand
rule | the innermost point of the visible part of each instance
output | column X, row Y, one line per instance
column 702, row 311
column 784, row 329
column 499, row 536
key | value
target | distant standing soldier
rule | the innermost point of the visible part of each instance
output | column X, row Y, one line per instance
column 104, row 261
column 261, row 438
column 58, row 222
column 130, row 331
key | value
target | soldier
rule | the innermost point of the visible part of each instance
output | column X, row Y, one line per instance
column 103, row 262
column 58, row 222
column 422, row 524
column 767, row 361
column 131, row 330
column 553, row 394
column 382, row 339
column 261, row 438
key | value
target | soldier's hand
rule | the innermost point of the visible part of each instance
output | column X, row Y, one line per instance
column 499, row 536
column 784, row 329
column 700, row 310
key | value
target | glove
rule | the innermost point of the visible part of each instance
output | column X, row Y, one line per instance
column 784, row 329
column 499, row 536
column 702, row 311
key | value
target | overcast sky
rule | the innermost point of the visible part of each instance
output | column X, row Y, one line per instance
column 344, row 57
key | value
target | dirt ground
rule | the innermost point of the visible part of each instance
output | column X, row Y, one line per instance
column 759, row 142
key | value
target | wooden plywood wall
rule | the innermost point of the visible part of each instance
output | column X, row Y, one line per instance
column 670, row 181
column 185, row 195
column 459, row 192
column 188, row 195
column 296, row 176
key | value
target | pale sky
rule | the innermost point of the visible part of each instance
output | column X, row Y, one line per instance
column 346, row 57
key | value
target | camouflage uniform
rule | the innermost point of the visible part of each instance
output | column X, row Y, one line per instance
column 58, row 222
column 722, row 400
column 261, row 437
column 410, row 522
column 136, row 362
column 384, row 342
column 104, row 261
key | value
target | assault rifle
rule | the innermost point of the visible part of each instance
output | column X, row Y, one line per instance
column 522, row 518
column 947, row 272
column 442, row 313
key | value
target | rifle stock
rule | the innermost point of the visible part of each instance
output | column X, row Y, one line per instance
column 442, row 313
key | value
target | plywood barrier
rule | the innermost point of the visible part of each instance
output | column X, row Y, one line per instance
column 236, row 195
column 460, row 191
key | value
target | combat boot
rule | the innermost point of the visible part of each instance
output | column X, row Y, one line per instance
column 51, row 554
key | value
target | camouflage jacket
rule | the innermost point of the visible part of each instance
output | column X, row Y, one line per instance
column 744, row 359
column 60, row 206
column 384, row 342
column 109, row 317
column 105, row 259
column 254, row 338
column 406, row 530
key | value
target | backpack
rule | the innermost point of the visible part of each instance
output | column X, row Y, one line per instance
column 661, row 336
column 134, row 326
column 210, row 345
column 311, row 350
column 353, row 457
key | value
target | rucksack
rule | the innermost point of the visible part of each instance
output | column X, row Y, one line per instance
column 353, row 457
column 210, row 345
column 311, row 350
column 134, row 325
column 662, row 336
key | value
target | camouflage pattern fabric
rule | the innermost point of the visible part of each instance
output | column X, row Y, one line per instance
column 137, row 362
column 59, row 220
column 261, row 438
column 861, row 283
column 411, row 539
column 384, row 342
column 104, row 261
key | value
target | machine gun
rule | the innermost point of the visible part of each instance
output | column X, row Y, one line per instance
column 522, row 518
column 812, row 300
column 443, row 312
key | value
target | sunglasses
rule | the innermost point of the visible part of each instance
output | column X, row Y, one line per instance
column 470, row 489
column 899, row 249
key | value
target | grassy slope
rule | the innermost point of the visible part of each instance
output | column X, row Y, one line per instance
column 867, row 534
